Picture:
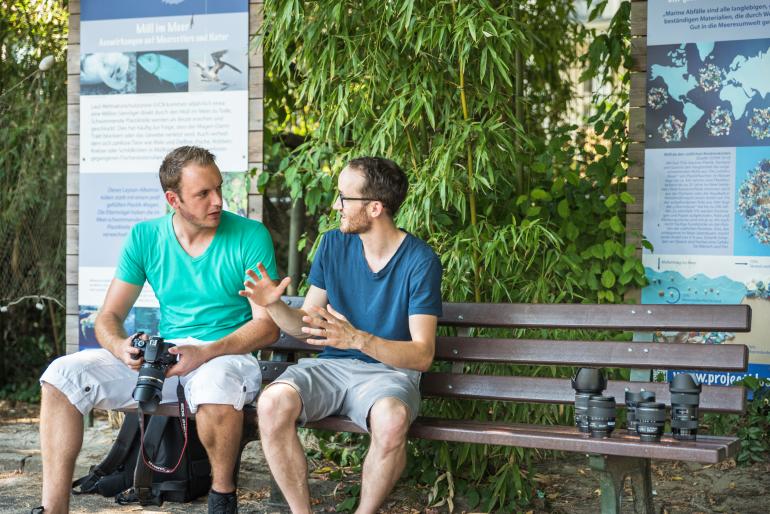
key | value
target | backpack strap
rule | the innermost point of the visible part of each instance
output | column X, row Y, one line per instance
column 116, row 456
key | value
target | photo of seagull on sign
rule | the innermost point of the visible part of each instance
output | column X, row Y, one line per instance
column 211, row 73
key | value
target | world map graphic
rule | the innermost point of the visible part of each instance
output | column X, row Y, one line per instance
column 709, row 94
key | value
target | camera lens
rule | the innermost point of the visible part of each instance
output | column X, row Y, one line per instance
column 651, row 417
column 586, row 382
column 581, row 411
column 685, row 398
column 632, row 400
column 149, row 386
column 601, row 416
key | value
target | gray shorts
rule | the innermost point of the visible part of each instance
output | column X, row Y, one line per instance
column 349, row 387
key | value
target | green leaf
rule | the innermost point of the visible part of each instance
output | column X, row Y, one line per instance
column 563, row 209
column 608, row 279
column 616, row 225
column 611, row 201
column 540, row 194
column 627, row 197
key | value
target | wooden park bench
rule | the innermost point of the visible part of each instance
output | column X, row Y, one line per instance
column 615, row 458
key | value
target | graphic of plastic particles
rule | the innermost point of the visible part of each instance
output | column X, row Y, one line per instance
column 759, row 123
column 758, row 289
column 678, row 57
column 671, row 130
column 720, row 122
column 657, row 97
column 710, row 78
column 754, row 201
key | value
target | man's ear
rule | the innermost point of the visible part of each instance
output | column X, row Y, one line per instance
column 172, row 198
column 376, row 209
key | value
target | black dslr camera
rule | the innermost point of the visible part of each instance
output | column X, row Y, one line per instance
column 152, row 373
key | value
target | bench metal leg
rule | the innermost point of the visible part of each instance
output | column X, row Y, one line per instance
column 612, row 472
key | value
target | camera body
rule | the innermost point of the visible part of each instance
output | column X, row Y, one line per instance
column 152, row 372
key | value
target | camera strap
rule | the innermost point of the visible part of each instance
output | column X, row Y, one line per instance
column 182, row 423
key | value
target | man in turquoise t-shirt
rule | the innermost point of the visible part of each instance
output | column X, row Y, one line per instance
column 193, row 258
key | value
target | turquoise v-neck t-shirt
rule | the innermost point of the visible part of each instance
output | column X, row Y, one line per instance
column 198, row 296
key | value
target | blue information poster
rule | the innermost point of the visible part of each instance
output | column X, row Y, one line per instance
column 707, row 164
column 154, row 75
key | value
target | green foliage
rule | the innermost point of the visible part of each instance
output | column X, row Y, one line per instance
column 471, row 98
column 753, row 428
column 33, row 173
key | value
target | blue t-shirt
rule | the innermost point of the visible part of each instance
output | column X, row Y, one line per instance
column 379, row 303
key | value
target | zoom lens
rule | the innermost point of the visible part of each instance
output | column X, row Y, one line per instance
column 601, row 416
column 651, row 417
column 685, row 398
column 586, row 382
column 581, row 411
column 632, row 400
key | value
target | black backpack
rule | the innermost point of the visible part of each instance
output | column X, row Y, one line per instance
column 124, row 474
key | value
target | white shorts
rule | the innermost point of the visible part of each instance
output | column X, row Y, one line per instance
column 97, row 379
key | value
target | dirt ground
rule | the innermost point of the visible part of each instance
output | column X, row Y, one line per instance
column 565, row 484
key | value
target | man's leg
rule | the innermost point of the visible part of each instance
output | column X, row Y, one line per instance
column 278, row 408
column 61, row 436
column 389, row 423
column 219, row 429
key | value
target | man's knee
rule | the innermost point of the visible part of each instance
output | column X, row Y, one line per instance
column 389, row 422
column 212, row 412
column 278, row 405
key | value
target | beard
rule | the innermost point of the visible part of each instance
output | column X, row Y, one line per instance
column 357, row 224
column 198, row 221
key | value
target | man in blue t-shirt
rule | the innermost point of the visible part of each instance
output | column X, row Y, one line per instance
column 193, row 258
column 373, row 304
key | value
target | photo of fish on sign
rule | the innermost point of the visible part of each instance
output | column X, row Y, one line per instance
column 111, row 73
column 164, row 71
column 219, row 69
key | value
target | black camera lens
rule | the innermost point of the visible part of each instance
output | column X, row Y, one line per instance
column 650, row 417
column 632, row 400
column 601, row 416
column 581, row 411
column 152, row 372
column 685, row 398
column 586, row 382
column 149, row 386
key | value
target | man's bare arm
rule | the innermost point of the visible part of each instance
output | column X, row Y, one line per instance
column 330, row 328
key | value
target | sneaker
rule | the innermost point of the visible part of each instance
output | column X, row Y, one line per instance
column 223, row 503
column 37, row 510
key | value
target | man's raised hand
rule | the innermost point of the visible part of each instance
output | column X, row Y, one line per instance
column 263, row 291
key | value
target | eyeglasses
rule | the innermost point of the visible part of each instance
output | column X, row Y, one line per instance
column 344, row 199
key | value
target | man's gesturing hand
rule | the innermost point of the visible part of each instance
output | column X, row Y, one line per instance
column 263, row 291
column 330, row 328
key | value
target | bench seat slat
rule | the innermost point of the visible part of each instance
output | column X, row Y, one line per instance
column 706, row 449
column 725, row 357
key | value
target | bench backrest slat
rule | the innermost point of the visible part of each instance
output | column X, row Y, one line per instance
column 639, row 318
column 541, row 389
column 726, row 357
column 559, row 390
column 728, row 318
